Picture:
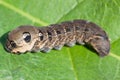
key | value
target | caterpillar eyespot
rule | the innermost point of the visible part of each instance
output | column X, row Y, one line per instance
column 34, row 39
column 27, row 37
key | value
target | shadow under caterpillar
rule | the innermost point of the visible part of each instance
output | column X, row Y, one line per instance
column 30, row 38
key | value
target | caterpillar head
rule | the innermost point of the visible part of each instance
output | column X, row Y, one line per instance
column 101, row 45
column 21, row 39
column 97, row 38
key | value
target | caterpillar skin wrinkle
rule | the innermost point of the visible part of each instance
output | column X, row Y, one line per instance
column 30, row 38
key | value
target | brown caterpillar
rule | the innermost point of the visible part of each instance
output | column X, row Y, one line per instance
column 34, row 39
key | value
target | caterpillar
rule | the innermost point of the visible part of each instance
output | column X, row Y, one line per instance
column 33, row 39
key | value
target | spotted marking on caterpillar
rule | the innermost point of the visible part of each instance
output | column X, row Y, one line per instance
column 30, row 38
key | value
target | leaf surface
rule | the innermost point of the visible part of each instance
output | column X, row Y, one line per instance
column 76, row 63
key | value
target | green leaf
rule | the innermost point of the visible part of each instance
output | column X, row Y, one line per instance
column 76, row 63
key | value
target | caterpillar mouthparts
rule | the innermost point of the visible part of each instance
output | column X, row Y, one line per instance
column 30, row 38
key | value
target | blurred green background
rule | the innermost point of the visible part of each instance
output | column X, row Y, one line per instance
column 76, row 63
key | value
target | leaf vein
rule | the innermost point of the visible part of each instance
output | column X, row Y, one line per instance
column 117, row 71
column 27, row 15
column 115, row 56
column 73, row 7
column 73, row 67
